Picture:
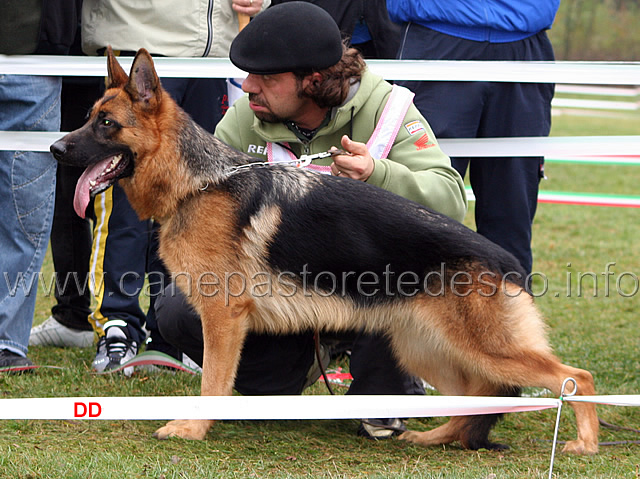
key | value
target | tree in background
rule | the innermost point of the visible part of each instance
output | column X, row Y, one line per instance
column 597, row 30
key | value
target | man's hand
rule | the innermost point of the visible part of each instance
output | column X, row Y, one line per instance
column 248, row 7
column 358, row 165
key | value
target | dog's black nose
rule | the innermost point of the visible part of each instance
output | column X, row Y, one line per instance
column 58, row 149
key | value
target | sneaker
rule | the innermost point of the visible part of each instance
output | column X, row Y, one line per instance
column 11, row 362
column 160, row 345
column 381, row 428
column 53, row 333
column 190, row 363
column 115, row 348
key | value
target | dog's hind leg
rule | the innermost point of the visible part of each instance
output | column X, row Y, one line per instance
column 586, row 415
column 537, row 369
column 471, row 431
column 474, row 430
column 532, row 370
column 445, row 434
column 224, row 331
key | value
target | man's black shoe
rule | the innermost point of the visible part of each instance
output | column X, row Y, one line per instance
column 11, row 362
column 381, row 428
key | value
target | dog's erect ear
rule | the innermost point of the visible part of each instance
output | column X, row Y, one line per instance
column 144, row 84
column 117, row 76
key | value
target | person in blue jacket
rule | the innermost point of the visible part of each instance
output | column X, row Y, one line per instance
column 506, row 189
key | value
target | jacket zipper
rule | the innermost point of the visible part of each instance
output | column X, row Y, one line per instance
column 207, row 47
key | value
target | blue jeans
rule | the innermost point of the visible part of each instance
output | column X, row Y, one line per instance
column 27, row 191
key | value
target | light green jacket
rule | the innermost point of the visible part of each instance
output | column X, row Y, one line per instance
column 416, row 167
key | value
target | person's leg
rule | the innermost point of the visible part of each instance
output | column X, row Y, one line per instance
column 70, row 250
column 70, row 234
column 178, row 322
column 275, row 364
column 68, row 324
column 27, row 190
column 375, row 371
column 118, row 263
column 158, row 277
column 506, row 189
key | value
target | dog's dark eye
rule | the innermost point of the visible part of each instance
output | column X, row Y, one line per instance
column 107, row 122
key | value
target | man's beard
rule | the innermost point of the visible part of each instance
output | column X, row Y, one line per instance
column 266, row 116
column 269, row 116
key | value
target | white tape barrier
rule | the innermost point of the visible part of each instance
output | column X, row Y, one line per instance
column 594, row 104
column 264, row 407
column 97, row 66
column 584, row 73
column 627, row 149
column 28, row 140
column 613, row 400
column 556, row 147
column 282, row 407
column 625, row 91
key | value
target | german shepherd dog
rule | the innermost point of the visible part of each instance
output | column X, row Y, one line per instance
column 348, row 256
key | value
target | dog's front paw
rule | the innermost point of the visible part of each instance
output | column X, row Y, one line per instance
column 185, row 429
column 580, row 447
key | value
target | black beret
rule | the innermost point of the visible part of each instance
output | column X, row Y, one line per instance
column 291, row 36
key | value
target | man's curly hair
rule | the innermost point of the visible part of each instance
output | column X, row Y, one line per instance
column 336, row 80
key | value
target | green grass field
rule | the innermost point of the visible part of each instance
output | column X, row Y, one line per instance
column 588, row 328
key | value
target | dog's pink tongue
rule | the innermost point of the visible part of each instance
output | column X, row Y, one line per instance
column 83, row 187
column 81, row 198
